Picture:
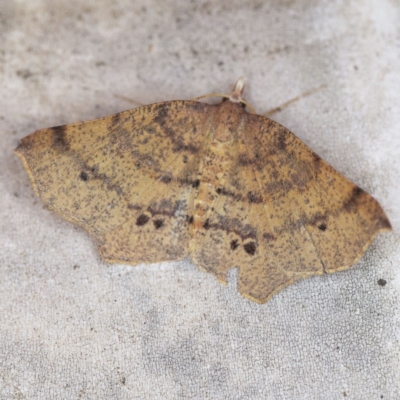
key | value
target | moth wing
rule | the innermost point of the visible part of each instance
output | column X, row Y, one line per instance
column 127, row 179
column 284, row 214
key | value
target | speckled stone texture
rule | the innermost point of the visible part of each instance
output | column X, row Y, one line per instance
column 72, row 326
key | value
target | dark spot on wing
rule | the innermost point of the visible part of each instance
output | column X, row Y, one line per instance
column 190, row 219
column 254, row 198
column 234, row 225
column 134, row 207
column 161, row 118
column 278, row 187
column 84, row 176
column 382, row 282
column 196, row 183
column 250, row 248
column 350, row 203
column 158, row 223
column 317, row 159
column 268, row 237
column 317, row 219
column 59, row 138
column 166, row 207
column 301, row 177
column 228, row 193
column 244, row 160
column 162, row 113
column 142, row 219
column 166, row 179
column 178, row 147
column 234, row 244
column 197, row 106
column 281, row 142
column 115, row 120
column 322, row 227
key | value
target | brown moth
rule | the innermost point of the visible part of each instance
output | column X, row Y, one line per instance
column 224, row 186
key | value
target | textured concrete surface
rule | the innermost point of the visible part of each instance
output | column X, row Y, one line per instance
column 72, row 326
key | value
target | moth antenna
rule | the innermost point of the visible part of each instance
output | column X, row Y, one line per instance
column 234, row 97
column 287, row 103
column 205, row 96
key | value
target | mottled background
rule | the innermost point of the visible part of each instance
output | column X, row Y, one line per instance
column 72, row 326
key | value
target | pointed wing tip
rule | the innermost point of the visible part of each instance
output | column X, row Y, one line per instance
column 25, row 145
column 384, row 225
column 20, row 149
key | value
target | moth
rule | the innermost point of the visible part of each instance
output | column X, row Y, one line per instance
column 216, row 183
